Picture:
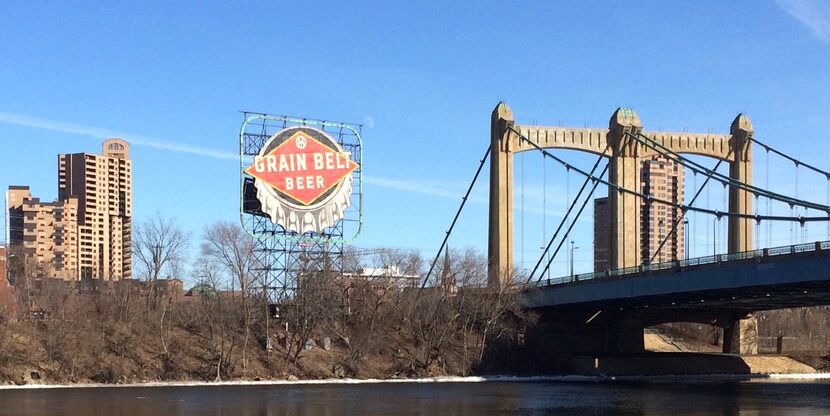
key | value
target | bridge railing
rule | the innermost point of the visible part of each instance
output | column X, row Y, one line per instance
column 680, row 264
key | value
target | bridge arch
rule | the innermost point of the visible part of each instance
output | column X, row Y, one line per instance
column 625, row 156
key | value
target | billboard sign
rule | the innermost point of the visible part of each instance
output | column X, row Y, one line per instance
column 303, row 179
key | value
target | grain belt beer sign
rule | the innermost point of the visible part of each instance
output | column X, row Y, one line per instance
column 303, row 179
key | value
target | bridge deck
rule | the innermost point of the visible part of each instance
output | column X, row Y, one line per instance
column 762, row 280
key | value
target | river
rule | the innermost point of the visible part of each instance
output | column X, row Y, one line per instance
column 582, row 398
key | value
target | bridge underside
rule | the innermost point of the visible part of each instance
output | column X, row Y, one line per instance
column 671, row 307
column 607, row 315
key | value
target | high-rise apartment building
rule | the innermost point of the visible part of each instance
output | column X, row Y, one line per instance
column 602, row 232
column 662, row 179
column 102, row 185
column 46, row 232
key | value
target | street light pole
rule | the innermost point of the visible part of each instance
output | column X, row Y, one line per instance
column 572, row 259
column 547, row 254
column 685, row 238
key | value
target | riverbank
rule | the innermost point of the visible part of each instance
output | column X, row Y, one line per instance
column 471, row 379
column 649, row 366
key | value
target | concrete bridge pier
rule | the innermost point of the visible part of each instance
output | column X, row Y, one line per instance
column 626, row 337
column 740, row 335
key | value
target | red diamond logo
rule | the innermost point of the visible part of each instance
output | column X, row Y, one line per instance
column 302, row 168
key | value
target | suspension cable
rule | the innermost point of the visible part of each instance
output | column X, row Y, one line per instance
column 571, row 226
column 683, row 214
column 798, row 163
column 769, row 148
column 455, row 219
column 663, row 201
column 726, row 180
column 565, row 217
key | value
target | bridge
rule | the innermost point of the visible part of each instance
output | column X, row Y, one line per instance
column 605, row 312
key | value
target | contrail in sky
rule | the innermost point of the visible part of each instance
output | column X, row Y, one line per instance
column 814, row 14
column 415, row 187
column 99, row 133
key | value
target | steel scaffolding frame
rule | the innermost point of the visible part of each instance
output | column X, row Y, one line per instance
column 283, row 255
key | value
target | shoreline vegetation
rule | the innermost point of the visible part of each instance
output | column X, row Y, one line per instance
column 119, row 335
column 335, row 325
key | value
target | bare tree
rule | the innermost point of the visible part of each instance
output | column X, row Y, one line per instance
column 218, row 316
column 159, row 246
column 230, row 246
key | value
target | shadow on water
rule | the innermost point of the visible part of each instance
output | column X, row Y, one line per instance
column 536, row 358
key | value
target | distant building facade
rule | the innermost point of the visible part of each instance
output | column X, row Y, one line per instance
column 46, row 232
column 102, row 185
column 87, row 232
column 662, row 179
column 602, row 229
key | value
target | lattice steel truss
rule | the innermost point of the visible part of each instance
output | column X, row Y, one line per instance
column 282, row 255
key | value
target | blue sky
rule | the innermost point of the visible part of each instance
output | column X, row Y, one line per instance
column 172, row 78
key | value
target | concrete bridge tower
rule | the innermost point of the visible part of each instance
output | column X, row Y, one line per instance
column 624, row 170
column 625, row 154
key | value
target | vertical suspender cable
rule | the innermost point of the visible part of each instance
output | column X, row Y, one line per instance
column 757, row 225
column 567, row 183
column 797, row 233
column 694, row 217
column 723, row 224
column 708, row 238
column 768, row 200
column 570, row 227
column 546, row 251
column 544, row 202
column 522, row 207
column 567, row 198
column 676, row 221
column 793, row 208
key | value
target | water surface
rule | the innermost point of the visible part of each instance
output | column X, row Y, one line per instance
column 676, row 398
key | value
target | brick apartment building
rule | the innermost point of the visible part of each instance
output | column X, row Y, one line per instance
column 663, row 179
column 47, row 233
column 86, row 233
